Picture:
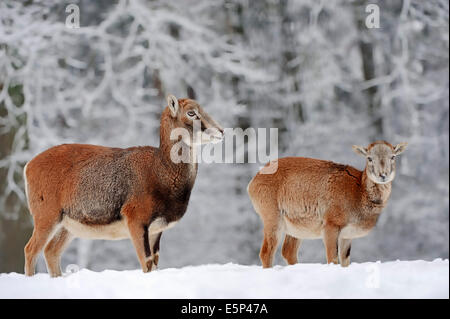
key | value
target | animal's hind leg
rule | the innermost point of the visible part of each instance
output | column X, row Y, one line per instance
column 345, row 246
column 265, row 204
column 272, row 236
column 290, row 249
column 41, row 234
column 54, row 249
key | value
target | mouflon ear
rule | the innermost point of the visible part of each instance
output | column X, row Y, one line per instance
column 172, row 102
column 400, row 148
column 360, row 150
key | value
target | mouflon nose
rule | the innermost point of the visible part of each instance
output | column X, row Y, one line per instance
column 383, row 176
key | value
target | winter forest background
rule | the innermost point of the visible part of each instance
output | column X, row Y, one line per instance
column 312, row 69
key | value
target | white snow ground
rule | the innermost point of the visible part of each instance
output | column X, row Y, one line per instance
column 397, row 279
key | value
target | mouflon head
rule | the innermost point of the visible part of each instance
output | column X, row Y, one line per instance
column 380, row 160
column 188, row 115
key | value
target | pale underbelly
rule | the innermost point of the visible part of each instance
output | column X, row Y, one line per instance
column 353, row 231
column 114, row 231
column 314, row 230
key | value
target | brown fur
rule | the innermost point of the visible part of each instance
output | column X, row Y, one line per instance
column 110, row 193
column 310, row 198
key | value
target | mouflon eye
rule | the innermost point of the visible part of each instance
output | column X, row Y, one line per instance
column 191, row 114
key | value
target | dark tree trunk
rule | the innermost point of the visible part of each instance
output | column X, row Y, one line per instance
column 366, row 49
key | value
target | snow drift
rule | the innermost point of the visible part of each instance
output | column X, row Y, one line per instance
column 397, row 279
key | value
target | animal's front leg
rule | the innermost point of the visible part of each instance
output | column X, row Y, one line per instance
column 137, row 221
column 154, row 240
column 345, row 246
column 330, row 240
column 139, row 237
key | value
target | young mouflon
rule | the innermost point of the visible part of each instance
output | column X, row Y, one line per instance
column 97, row 192
column 309, row 198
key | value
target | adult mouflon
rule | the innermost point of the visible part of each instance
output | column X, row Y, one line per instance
column 97, row 192
column 310, row 198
